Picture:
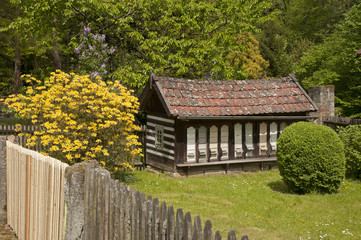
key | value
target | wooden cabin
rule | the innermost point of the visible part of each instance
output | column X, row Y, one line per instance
column 200, row 126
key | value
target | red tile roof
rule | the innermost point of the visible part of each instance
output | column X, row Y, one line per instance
column 185, row 97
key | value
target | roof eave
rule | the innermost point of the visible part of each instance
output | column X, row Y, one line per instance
column 245, row 117
column 304, row 92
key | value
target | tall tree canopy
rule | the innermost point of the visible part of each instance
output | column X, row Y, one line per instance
column 335, row 62
column 177, row 38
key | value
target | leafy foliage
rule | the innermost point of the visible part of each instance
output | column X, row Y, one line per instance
column 311, row 158
column 93, row 53
column 248, row 61
column 169, row 37
column 351, row 137
column 80, row 118
column 335, row 62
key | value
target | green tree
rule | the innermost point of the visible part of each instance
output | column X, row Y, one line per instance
column 335, row 62
column 300, row 25
column 177, row 38
column 247, row 62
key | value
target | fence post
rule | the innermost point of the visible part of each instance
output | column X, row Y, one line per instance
column 74, row 201
column 3, row 180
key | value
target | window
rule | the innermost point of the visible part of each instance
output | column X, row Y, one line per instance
column 202, row 136
column 224, row 141
column 263, row 139
column 238, row 147
column 191, row 144
column 159, row 132
column 273, row 137
column 213, row 142
column 249, row 139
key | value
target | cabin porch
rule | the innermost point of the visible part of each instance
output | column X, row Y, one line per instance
column 246, row 165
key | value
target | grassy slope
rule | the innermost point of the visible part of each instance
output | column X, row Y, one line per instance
column 258, row 205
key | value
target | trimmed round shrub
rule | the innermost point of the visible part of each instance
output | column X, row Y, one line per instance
column 351, row 138
column 311, row 158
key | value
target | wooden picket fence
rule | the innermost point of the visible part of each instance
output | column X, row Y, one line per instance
column 35, row 193
column 114, row 211
column 39, row 188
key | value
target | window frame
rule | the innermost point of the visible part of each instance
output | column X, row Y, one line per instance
column 159, row 137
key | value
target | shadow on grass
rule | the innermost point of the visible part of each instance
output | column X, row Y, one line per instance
column 279, row 186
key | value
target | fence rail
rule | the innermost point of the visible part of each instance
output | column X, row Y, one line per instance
column 35, row 193
column 335, row 122
column 10, row 129
column 341, row 120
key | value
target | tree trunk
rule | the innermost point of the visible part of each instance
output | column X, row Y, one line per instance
column 17, row 73
column 55, row 52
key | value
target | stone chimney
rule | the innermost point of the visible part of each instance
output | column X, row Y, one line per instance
column 324, row 98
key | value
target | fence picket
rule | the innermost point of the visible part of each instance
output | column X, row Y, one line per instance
column 231, row 235
column 208, row 233
column 143, row 218
column 89, row 204
column 217, row 236
column 179, row 229
column 170, row 225
column 106, row 185
column 163, row 221
column 150, row 218
column 156, row 216
column 197, row 229
column 188, row 226
column 127, row 215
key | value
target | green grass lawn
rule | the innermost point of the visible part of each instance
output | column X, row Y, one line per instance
column 258, row 205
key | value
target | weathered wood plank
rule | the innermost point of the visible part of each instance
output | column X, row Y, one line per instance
column 106, row 185
column 188, row 226
column 150, row 219
column 143, row 217
column 127, row 214
column 217, row 236
column 208, row 232
column 197, row 229
column 163, row 221
column 231, row 235
column 171, row 224
column 156, row 219
column 90, row 204
column 179, row 228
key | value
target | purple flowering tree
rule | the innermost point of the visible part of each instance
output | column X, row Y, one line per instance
column 93, row 54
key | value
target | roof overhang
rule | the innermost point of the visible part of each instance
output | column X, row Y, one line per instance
column 185, row 118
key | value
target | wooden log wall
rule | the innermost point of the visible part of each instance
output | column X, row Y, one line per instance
column 114, row 211
column 35, row 194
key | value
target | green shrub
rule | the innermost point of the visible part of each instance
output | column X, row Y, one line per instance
column 311, row 158
column 351, row 138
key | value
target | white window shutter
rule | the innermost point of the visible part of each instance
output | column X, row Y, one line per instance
column 224, row 141
column 249, row 139
column 273, row 137
column 263, row 139
column 191, row 144
column 213, row 142
column 238, row 148
column 202, row 135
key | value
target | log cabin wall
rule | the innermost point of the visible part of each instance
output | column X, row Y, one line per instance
column 160, row 142
column 227, row 140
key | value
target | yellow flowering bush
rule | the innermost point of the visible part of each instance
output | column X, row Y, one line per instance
column 80, row 118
